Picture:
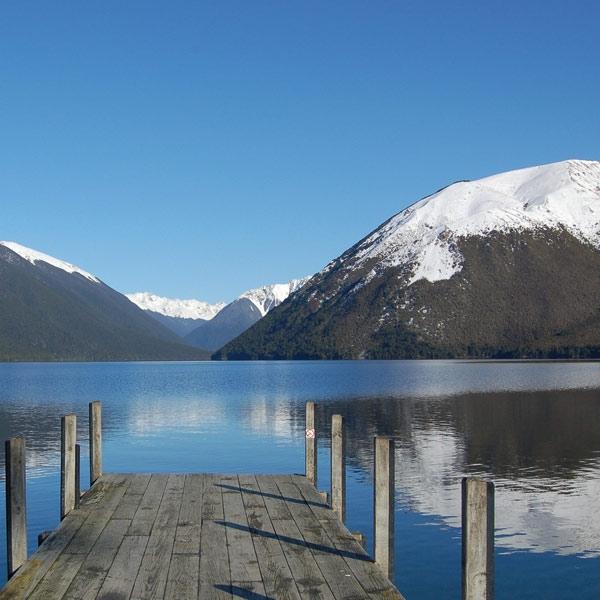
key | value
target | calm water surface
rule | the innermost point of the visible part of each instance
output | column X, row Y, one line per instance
column 534, row 428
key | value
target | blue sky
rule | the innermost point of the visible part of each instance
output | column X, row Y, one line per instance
column 197, row 149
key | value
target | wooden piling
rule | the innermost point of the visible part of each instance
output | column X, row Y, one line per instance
column 383, row 490
column 16, row 509
column 338, row 467
column 77, row 475
column 67, row 464
column 95, row 424
column 477, row 539
column 311, row 444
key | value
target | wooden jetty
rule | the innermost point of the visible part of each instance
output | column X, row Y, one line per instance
column 201, row 535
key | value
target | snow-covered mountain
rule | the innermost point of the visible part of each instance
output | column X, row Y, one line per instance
column 269, row 296
column 189, row 318
column 565, row 194
column 174, row 307
column 242, row 313
column 507, row 265
column 51, row 309
column 264, row 298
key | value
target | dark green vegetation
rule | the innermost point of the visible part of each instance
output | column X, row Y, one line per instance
column 518, row 295
column 49, row 314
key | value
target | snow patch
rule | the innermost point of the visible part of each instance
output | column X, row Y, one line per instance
column 34, row 256
column 436, row 263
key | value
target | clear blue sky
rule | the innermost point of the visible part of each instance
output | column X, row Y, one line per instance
column 197, row 149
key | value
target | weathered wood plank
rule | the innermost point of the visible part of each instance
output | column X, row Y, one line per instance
column 34, row 570
column 189, row 524
column 145, row 515
column 328, row 558
column 121, row 576
column 89, row 578
column 272, row 497
column 96, row 520
column 191, row 504
column 215, row 576
column 305, row 571
column 254, row 590
column 58, row 578
column 154, row 569
column 212, row 500
column 30, row 574
column 182, row 582
column 243, row 564
column 104, row 487
column 138, row 483
column 130, row 502
column 360, row 563
column 276, row 575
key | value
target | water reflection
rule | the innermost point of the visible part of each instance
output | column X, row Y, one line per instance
column 531, row 427
column 541, row 448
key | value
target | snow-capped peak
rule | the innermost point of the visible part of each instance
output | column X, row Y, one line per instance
column 564, row 194
column 269, row 296
column 174, row 307
column 34, row 256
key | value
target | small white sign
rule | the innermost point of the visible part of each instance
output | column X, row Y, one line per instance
column 310, row 433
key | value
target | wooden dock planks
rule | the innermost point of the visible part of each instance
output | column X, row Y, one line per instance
column 143, row 536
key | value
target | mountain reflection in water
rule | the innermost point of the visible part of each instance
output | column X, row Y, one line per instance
column 542, row 449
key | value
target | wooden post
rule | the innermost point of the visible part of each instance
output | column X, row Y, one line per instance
column 311, row 444
column 477, row 539
column 338, row 467
column 95, row 422
column 77, row 475
column 16, row 509
column 67, row 464
column 383, row 490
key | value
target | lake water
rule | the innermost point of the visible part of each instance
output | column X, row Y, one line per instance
column 531, row 427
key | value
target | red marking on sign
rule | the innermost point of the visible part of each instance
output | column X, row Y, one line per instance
column 310, row 433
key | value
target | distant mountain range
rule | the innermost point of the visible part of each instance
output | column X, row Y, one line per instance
column 180, row 316
column 211, row 326
column 505, row 266
column 53, row 310
column 501, row 267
